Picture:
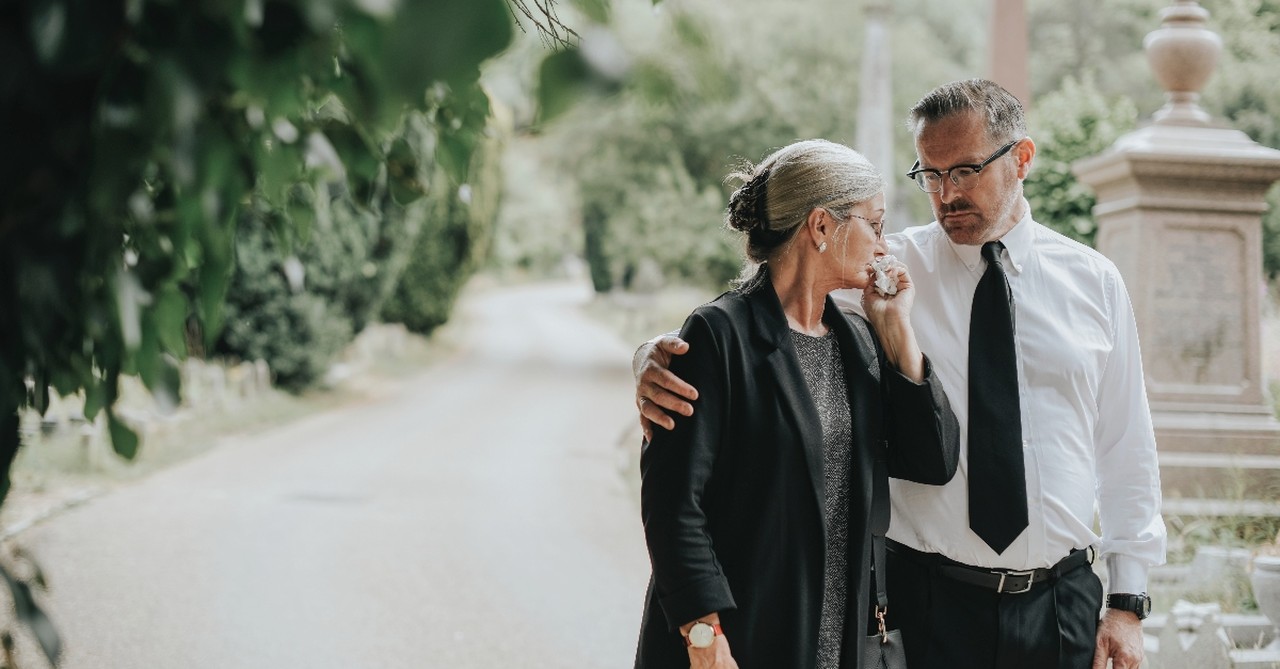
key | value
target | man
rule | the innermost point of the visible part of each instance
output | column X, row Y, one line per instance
column 1033, row 339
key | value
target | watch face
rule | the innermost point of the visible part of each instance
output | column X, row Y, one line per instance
column 702, row 635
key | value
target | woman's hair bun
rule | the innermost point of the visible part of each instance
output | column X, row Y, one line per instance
column 747, row 203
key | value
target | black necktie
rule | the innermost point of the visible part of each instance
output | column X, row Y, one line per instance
column 997, row 480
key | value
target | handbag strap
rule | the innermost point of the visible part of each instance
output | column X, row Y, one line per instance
column 879, row 505
column 879, row 484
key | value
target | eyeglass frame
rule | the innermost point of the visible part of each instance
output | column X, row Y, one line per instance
column 977, row 169
column 877, row 225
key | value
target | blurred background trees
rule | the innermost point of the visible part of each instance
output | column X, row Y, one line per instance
column 261, row 179
column 240, row 178
column 712, row 83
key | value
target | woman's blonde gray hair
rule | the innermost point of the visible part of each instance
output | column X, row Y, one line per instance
column 776, row 195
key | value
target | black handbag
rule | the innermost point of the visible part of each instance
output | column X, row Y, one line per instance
column 882, row 650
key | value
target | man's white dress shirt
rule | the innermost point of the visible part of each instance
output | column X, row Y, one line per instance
column 1088, row 443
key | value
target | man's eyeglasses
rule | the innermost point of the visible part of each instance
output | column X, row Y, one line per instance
column 965, row 177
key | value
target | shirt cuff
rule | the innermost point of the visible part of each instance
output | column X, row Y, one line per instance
column 1126, row 574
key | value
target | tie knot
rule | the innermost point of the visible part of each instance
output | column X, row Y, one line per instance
column 991, row 251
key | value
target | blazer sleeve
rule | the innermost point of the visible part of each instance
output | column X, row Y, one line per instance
column 675, row 468
column 921, row 430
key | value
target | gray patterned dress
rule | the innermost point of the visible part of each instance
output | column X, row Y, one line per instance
column 824, row 375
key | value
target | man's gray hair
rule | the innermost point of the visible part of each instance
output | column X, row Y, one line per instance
column 1005, row 119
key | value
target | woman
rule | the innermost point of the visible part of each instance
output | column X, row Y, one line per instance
column 758, row 508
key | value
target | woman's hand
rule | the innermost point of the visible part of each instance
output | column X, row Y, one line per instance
column 717, row 656
column 887, row 309
column 890, row 315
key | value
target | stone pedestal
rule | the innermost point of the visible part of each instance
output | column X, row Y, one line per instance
column 1179, row 210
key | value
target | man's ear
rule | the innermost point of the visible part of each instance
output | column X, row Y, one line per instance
column 1025, row 152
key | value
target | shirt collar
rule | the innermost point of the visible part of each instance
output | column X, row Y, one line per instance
column 1017, row 243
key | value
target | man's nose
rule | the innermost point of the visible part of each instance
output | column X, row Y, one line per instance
column 949, row 190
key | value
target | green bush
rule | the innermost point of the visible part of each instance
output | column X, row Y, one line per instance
column 346, row 239
column 457, row 231
column 295, row 330
column 1271, row 234
column 1073, row 122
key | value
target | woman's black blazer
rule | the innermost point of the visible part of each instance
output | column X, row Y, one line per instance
column 732, row 498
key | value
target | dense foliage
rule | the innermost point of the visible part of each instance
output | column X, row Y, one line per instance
column 650, row 161
column 140, row 130
column 710, row 85
column 458, row 230
column 143, row 135
column 1074, row 122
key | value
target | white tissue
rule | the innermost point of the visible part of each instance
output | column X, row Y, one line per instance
column 884, row 284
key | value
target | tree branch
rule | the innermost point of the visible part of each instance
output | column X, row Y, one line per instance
column 544, row 17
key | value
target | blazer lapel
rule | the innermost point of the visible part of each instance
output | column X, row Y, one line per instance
column 771, row 328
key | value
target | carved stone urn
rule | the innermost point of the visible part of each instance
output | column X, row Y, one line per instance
column 1183, row 54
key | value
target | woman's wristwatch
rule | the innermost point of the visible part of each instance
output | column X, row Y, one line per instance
column 1138, row 605
column 702, row 635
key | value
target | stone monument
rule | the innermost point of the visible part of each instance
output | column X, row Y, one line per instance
column 1179, row 206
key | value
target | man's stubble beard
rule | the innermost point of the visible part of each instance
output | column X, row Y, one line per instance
column 986, row 229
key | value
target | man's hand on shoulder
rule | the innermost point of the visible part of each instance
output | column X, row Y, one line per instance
column 657, row 388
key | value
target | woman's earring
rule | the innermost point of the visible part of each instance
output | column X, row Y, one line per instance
column 822, row 248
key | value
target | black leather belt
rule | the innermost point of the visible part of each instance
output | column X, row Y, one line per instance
column 1002, row 581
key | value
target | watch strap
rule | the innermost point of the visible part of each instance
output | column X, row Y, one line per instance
column 1139, row 605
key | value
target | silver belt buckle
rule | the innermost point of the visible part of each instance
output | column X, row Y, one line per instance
column 1030, row 574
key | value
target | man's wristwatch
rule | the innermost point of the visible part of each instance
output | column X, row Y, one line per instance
column 702, row 635
column 1139, row 605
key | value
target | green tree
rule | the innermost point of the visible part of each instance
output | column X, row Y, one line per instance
column 137, row 133
column 1073, row 122
column 709, row 85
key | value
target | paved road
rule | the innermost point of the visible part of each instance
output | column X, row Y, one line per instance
column 475, row 520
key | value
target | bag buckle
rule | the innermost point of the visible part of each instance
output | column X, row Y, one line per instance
column 880, row 613
column 1029, row 574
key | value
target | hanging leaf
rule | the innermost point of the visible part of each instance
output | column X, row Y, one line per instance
column 402, row 172
column 94, row 399
column 562, row 78
column 170, row 319
column 30, row 614
column 124, row 440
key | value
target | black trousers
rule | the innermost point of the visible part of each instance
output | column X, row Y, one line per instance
column 947, row 624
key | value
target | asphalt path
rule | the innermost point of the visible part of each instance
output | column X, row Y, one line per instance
column 474, row 519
